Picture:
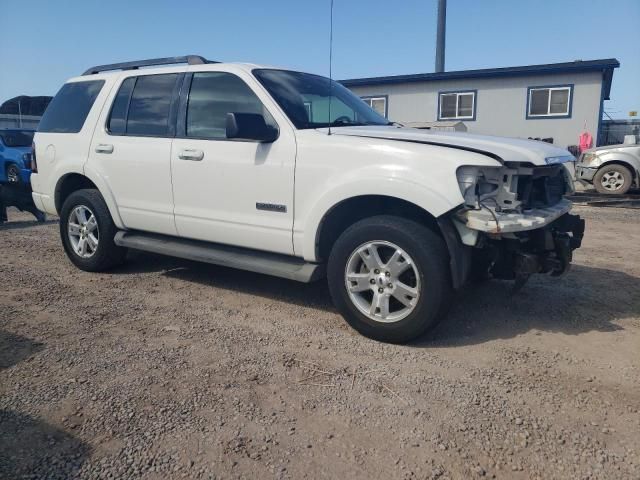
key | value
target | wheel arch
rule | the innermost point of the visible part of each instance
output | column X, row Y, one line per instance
column 625, row 163
column 73, row 181
column 350, row 210
column 353, row 209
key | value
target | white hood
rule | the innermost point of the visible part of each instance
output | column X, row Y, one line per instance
column 508, row 149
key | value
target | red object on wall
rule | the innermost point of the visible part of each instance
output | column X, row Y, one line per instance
column 586, row 141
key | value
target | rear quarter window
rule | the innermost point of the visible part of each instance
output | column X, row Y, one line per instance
column 68, row 110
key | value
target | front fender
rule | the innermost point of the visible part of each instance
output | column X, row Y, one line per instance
column 355, row 185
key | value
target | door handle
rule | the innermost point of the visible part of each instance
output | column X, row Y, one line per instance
column 191, row 154
column 104, row 148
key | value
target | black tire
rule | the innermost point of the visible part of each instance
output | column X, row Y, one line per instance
column 430, row 256
column 614, row 168
column 107, row 254
column 13, row 174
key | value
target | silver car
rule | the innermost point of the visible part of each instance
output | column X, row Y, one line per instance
column 613, row 169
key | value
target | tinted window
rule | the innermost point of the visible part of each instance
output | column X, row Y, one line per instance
column 69, row 109
column 17, row 138
column 212, row 96
column 150, row 104
column 118, row 117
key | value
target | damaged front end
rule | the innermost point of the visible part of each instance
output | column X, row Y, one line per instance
column 517, row 220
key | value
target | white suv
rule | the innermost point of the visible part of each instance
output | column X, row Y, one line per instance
column 290, row 174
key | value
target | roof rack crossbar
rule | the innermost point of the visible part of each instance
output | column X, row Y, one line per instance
column 189, row 59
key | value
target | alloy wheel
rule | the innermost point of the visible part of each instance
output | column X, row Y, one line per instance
column 83, row 231
column 382, row 281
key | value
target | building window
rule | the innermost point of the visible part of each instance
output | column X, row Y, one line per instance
column 457, row 105
column 549, row 102
column 378, row 103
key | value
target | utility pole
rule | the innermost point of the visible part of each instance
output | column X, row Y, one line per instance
column 442, row 33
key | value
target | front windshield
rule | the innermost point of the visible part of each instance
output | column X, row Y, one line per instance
column 306, row 101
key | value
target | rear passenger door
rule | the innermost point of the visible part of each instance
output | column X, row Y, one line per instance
column 131, row 149
column 231, row 191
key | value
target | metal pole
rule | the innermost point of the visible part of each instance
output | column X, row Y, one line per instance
column 442, row 31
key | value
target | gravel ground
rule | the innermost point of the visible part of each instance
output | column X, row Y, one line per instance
column 170, row 369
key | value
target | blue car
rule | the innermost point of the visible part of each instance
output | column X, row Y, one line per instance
column 15, row 173
column 15, row 156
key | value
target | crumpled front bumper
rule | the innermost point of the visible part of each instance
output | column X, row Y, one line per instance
column 585, row 173
column 545, row 250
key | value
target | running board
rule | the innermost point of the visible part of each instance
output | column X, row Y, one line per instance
column 274, row 264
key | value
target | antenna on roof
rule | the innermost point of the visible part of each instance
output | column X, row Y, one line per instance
column 330, row 62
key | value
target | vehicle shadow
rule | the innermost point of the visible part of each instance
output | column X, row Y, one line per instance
column 24, row 224
column 315, row 295
column 571, row 305
column 16, row 348
column 32, row 448
column 586, row 299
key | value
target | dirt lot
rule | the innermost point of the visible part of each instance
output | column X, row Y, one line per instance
column 171, row 369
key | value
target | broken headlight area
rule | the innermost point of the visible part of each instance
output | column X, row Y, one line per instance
column 514, row 187
column 517, row 220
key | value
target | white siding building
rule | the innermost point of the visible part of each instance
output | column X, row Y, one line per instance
column 557, row 101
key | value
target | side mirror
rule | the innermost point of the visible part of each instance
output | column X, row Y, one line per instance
column 250, row 126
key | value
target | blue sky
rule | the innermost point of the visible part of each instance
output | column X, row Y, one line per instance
column 44, row 42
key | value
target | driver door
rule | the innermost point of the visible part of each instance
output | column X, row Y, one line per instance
column 230, row 191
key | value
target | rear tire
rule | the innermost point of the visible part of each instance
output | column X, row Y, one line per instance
column 87, row 231
column 613, row 179
column 365, row 288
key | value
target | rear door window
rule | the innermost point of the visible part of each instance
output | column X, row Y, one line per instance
column 150, row 105
column 118, row 118
column 68, row 110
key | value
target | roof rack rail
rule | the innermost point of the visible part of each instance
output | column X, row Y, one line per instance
column 190, row 59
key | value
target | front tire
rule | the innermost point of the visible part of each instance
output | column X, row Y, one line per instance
column 87, row 231
column 389, row 278
column 613, row 179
